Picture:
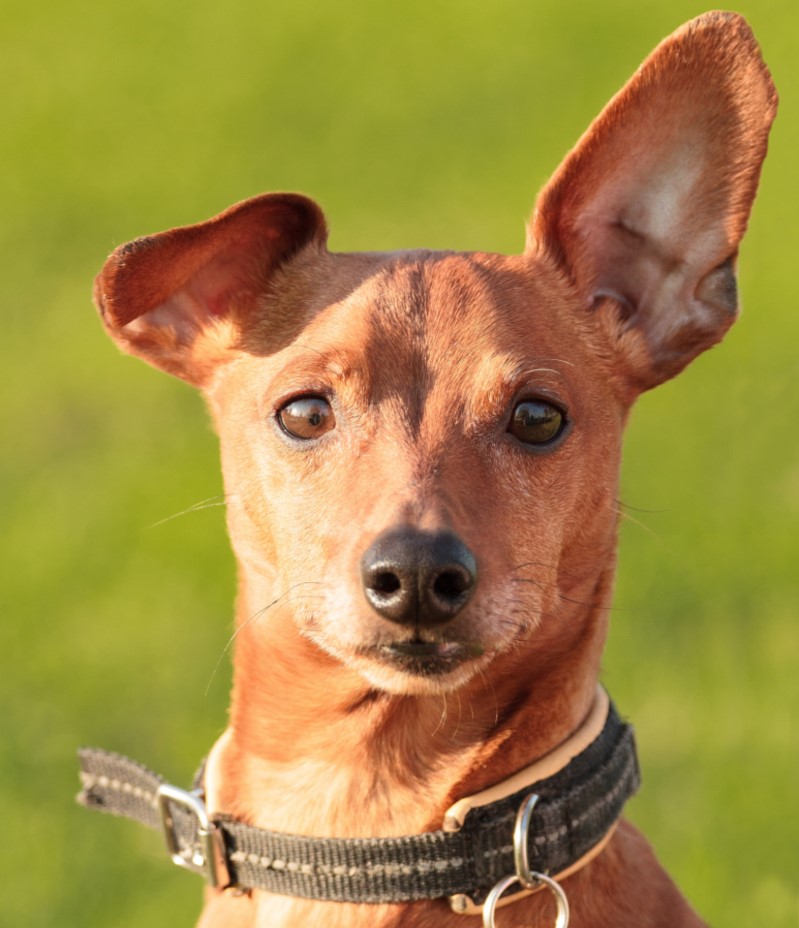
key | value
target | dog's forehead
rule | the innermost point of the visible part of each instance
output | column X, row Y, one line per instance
column 443, row 307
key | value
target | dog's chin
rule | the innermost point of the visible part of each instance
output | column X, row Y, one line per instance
column 420, row 668
column 410, row 667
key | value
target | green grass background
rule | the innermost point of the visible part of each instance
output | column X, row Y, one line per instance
column 415, row 124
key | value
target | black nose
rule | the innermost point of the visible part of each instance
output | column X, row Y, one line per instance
column 418, row 578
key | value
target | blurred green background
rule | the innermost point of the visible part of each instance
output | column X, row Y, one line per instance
column 417, row 124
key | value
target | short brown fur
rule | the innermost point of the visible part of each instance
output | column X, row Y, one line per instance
column 628, row 274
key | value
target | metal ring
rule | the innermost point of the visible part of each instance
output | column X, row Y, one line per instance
column 490, row 905
column 561, row 901
column 492, row 899
column 520, row 855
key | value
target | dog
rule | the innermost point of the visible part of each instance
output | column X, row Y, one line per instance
column 421, row 455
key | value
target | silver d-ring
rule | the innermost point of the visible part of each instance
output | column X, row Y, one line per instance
column 520, row 856
column 524, row 876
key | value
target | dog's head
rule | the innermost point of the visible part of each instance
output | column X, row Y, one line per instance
column 421, row 449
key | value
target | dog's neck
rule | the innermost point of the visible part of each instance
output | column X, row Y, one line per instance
column 314, row 749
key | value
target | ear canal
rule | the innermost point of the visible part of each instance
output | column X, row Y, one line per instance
column 645, row 215
column 167, row 297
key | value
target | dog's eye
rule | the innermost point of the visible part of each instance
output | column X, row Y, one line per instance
column 536, row 422
column 307, row 417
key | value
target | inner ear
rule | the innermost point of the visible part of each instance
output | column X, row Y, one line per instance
column 646, row 213
column 174, row 298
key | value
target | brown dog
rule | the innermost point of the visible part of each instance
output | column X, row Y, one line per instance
column 421, row 456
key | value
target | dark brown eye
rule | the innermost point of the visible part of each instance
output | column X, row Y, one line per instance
column 307, row 417
column 535, row 422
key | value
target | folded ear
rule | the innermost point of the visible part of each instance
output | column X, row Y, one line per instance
column 646, row 212
column 176, row 299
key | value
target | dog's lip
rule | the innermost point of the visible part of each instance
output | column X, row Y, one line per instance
column 427, row 657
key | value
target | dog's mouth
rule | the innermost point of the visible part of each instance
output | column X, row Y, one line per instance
column 426, row 658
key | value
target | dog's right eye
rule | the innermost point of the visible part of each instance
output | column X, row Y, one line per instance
column 536, row 422
column 307, row 417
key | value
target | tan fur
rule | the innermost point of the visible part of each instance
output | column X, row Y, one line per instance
column 628, row 274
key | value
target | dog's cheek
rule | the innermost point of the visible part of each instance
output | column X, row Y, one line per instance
column 569, row 504
column 315, row 558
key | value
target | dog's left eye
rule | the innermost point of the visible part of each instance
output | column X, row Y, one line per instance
column 536, row 422
column 307, row 417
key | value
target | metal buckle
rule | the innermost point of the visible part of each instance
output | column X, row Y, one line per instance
column 209, row 860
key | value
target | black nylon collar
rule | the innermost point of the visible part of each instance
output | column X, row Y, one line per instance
column 577, row 808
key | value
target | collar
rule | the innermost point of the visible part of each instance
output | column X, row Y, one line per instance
column 581, row 788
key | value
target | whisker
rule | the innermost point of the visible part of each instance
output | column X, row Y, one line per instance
column 252, row 618
column 460, row 716
column 562, row 596
column 209, row 503
column 624, row 505
column 521, row 371
column 633, row 521
column 442, row 719
column 545, row 565
column 490, row 686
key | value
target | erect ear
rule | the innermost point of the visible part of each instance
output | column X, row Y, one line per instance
column 177, row 299
column 645, row 214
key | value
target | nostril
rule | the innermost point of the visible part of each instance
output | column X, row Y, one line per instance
column 385, row 582
column 450, row 584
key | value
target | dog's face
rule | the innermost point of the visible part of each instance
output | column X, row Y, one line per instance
column 464, row 397
column 421, row 450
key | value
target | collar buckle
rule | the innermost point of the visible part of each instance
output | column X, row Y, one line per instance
column 184, row 814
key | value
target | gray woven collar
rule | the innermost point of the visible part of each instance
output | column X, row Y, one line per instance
column 577, row 808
